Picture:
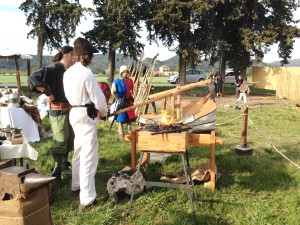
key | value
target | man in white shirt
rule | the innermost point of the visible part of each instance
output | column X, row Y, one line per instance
column 87, row 99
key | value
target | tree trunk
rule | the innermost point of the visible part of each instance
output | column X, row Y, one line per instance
column 223, row 68
column 244, row 73
column 40, row 52
column 111, row 66
column 182, row 69
column 41, row 33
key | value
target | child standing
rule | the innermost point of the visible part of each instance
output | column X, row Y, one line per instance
column 238, row 83
column 211, row 87
column 244, row 91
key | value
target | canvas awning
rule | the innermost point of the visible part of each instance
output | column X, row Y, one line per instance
column 10, row 54
column 7, row 53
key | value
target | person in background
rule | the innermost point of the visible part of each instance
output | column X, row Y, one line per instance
column 211, row 87
column 238, row 83
column 122, row 89
column 219, row 85
column 49, row 80
column 215, row 81
column 84, row 94
column 244, row 91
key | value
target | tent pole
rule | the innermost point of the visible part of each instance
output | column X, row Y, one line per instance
column 18, row 76
column 28, row 74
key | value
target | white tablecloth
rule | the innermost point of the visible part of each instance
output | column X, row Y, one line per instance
column 8, row 151
column 17, row 117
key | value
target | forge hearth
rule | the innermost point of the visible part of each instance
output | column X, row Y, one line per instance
column 161, row 129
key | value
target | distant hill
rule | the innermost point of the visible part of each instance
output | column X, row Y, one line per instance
column 100, row 63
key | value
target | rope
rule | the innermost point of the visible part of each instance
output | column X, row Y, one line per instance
column 229, row 120
column 273, row 145
column 24, row 217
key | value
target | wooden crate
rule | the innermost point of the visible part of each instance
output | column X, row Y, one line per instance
column 169, row 142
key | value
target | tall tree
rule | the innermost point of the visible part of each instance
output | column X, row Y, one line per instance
column 170, row 22
column 116, row 28
column 53, row 22
column 248, row 28
column 234, row 31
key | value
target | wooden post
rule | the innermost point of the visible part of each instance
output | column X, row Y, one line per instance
column 172, row 106
column 133, row 150
column 212, row 160
column 243, row 148
column 245, row 126
column 178, row 112
column 18, row 76
column 28, row 74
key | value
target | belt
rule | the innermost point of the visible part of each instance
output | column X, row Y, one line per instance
column 86, row 105
column 60, row 106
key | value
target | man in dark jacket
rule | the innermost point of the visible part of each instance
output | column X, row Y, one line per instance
column 49, row 80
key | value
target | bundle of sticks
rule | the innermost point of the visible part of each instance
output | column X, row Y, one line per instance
column 142, row 78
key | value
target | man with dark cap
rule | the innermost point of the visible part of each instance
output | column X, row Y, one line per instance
column 87, row 99
column 49, row 80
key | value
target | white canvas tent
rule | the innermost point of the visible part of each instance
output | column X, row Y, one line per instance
column 10, row 54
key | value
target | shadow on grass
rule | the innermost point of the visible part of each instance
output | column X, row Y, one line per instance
column 261, row 171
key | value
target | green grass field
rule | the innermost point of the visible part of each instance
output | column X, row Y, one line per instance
column 263, row 188
column 11, row 79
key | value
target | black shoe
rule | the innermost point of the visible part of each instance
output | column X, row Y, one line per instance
column 85, row 208
column 56, row 172
column 66, row 168
column 66, row 171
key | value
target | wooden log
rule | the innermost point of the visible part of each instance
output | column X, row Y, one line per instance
column 161, row 95
column 179, row 89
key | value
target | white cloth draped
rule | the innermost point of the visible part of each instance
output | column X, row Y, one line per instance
column 9, row 151
column 18, row 118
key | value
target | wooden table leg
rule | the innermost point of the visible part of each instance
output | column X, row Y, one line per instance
column 212, row 161
column 133, row 150
column 133, row 143
column 21, row 162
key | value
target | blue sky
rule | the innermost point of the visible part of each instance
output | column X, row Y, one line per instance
column 14, row 34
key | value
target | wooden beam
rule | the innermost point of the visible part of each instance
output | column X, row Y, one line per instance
column 161, row 95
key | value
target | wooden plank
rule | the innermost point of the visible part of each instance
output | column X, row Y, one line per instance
column 199, row 140
column 202, row 140
column 198, row 108
column 168, row 143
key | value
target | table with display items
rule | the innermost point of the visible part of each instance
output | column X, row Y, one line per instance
column 18, row 118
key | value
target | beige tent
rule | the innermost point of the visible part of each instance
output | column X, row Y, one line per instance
column 9, row 54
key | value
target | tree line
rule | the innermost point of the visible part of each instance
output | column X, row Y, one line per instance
column 231, row 32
